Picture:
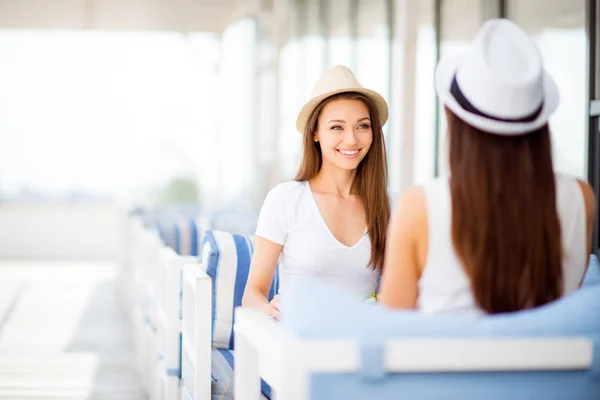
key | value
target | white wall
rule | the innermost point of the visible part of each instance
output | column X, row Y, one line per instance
column 58, row 232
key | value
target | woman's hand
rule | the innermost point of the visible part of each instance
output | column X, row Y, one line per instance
column 260, row 278
column 273, row 309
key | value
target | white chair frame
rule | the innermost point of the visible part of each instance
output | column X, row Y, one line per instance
column 196, row 333
column 264, row 349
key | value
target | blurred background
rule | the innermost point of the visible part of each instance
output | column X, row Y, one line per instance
column 182, row 113
column 161, row 102
column 146, row 103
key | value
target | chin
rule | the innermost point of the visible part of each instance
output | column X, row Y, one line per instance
column 348, row 166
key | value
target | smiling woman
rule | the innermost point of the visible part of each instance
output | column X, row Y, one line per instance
column 342, row 126
column 331, row 220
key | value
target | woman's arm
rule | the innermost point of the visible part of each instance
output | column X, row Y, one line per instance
column 271, row 231
column 405, row 253
column 589, row 199
column 262, row 271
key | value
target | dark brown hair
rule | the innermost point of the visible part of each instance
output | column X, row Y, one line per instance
column 371, row 179
column 505, row 228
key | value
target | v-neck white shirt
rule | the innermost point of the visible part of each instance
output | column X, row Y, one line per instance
column 290, row 217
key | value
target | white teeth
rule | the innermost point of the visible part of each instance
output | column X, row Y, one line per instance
column 348, row 152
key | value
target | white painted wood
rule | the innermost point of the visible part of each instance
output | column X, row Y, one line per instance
column 172, row 307
column 453, row 355
column 520, row 354
column 267, row 337
column 295, row 380
column 188, row 324
column 148, row 282
column 188, row 348
column 160, row 382
column 286, row 362
column 203, row 334
column 274, row 351
column 248, row 347
column 245, row 374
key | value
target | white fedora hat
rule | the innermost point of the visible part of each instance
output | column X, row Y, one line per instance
column 500, row 85
column 338, row 79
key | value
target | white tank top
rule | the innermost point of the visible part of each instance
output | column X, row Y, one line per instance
column 444, row 287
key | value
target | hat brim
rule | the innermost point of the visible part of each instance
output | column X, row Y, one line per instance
column 444, row 74
column 376, row 98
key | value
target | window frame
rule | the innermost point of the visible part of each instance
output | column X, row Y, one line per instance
column 593, row 106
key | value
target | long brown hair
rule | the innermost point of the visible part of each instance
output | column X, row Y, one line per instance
column 370, row 183
column 505, row 228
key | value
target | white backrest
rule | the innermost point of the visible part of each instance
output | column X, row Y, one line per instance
column 264, row 349
column 196, row 332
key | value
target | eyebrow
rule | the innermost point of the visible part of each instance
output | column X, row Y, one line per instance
column 342, row 121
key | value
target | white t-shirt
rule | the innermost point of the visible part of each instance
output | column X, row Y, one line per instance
column 290, row 217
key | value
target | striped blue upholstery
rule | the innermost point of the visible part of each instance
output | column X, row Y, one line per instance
column 226, row 258
column 222, row 367
column 186, row 238
column 188, row 234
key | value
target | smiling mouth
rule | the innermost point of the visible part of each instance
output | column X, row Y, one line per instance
column 348, row 153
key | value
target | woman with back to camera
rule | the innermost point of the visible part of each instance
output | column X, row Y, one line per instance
column 503, row 232
column 331, row 221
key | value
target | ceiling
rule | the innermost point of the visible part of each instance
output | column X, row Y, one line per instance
column 178, row 15
column 460, row 18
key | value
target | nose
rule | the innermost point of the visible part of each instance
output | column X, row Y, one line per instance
column 350, row 138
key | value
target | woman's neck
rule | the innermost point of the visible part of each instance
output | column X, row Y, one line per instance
column 334, row 180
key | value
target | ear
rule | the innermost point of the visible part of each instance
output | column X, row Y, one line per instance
column 316, row 138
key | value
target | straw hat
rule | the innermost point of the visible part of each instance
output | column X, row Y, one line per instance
column 338, row 79
column 500, row 85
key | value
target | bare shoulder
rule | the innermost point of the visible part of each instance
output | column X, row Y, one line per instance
column 589, row 198
column 410, row 209
column 413, row 200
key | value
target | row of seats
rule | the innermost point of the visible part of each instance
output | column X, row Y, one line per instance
column 335, row 346
column 180, row 287
column 149, row 287
column 190, row 309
